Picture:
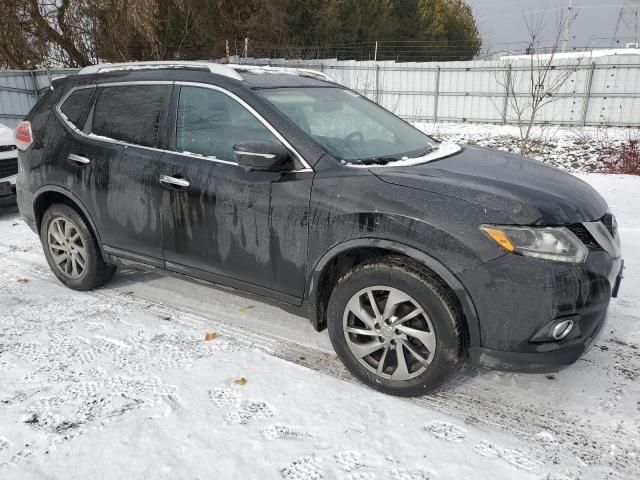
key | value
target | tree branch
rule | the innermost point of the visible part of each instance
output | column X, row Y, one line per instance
column 51, row 34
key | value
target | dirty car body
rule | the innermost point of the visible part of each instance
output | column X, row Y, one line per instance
column 290, row 235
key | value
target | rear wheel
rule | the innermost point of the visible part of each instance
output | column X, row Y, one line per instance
column 71, row 249
column 396, row 326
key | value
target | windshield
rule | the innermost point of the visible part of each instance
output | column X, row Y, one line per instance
column 348, row 125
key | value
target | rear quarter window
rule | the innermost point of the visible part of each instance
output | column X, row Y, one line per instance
column 73, row 107
column 129, row 113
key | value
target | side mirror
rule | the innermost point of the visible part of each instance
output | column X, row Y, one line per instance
column 262, row 156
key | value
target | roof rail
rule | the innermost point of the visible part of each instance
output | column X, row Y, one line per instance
column 217, row 68
column 228, row 70
column 306, row 72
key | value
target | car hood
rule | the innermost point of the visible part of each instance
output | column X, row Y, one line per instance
column 528, row 191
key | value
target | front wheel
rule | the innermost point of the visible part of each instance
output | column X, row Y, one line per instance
column 396, row 326
column 71, row 249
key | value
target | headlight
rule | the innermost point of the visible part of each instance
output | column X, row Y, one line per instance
column 551, row 243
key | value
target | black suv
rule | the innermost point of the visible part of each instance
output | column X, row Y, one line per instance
column 417, row 255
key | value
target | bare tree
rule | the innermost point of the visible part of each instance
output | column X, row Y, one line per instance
column 18, row 48
column 43, row 32
column 76, row 33
column 530, row 87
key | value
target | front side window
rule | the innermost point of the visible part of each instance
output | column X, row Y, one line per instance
column 73, row 107
column 129, row 113
column 210, row 123
column 348, row 125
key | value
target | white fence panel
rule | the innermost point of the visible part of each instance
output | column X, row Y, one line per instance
column 20, row 90
column 603, row 90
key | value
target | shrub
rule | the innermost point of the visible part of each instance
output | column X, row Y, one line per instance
column 623, row 159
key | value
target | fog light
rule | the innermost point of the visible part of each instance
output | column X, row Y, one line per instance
column 562, row 329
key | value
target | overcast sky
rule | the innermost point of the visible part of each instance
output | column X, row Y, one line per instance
column 501, row 21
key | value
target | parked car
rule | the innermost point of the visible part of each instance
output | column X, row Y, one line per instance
column 8, row 166
column 416, row 255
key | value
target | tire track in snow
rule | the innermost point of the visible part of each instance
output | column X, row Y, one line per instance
column 491, row 407
column 583, row 443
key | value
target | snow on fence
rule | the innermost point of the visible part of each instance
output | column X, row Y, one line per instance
column 602, row 90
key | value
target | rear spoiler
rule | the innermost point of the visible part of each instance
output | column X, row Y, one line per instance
column 56, row 81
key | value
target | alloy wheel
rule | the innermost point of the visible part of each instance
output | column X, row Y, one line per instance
column 66, row 247
column 389, row 333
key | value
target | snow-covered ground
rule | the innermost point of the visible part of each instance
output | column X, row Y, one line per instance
column 120, row 383
column 569, row 148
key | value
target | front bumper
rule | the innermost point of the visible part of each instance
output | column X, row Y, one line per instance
column 540, row 361
column 518, row 297
column 8, row 191
column 8, row 167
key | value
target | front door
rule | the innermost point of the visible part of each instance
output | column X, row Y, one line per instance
column 244, row 229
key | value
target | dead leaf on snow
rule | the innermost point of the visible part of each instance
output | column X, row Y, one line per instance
column 22, row 280
column 240, row 381
column 248, row 307
column 208, row 336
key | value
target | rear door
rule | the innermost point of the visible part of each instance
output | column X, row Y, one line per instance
column 244, row 229
column 113, row 167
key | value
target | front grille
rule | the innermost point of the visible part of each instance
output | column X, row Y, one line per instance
column 8, row 167
column 585, row 237
column 7, row 148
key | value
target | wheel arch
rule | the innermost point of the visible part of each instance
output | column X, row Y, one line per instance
column 377, row 247
column 47, row 195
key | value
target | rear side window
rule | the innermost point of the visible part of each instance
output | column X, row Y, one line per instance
column 210, row 123
column 129, row 113
column 73, row 107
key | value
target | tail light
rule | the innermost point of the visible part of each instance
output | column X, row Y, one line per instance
column 24, row 136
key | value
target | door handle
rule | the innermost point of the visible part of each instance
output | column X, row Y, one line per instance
column 174, row 181
column 78, row 159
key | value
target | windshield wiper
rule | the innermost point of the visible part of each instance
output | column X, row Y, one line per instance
column 385, row 160
column 426, row 152
column 376, row 160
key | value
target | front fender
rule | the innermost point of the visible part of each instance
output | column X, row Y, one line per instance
column 441, row 270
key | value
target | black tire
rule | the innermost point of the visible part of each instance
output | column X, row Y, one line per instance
column 96, row 272
column 432, row 296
